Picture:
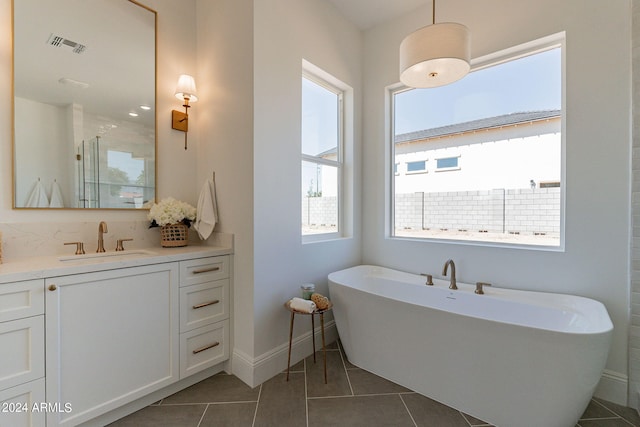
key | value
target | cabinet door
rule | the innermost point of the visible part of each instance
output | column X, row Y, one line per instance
column 24, row 405
column 21, row 299
column 112, row 337
column 21, row 351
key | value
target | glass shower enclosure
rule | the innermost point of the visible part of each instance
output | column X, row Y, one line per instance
column 112, row 175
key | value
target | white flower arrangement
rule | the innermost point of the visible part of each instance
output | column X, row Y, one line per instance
column 171, row 211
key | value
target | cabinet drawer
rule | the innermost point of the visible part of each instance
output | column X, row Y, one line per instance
column 203, row 270
column 21, row 299
column 21, row 351
column 203, row 304
column 17, row 404
column 203, row 347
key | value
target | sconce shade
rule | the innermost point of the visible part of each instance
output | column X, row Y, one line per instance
column 186, row 88
column 435, row 55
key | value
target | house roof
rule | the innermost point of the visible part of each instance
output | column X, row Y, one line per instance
column 473, row 125
column 486, row 123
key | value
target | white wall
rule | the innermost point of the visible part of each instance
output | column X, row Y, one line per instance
column 286, row 32
column 225, row 112
column 595, row 262
column 505, row 158
column 177, row 174
column 44, row 149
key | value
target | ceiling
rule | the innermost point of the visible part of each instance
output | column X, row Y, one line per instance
column 117, row 67
column 369, row 13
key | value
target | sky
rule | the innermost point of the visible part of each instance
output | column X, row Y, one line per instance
column 125, row 162
column 527, row 84
column 320, row 111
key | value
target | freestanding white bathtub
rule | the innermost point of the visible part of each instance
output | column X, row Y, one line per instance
column 511, row 358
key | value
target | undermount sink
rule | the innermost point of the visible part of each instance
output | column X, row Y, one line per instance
column 107, row 256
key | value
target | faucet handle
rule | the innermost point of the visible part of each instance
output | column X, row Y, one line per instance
column 479, row 286
column 429, row 279
column 79, row 247
column 119, row 246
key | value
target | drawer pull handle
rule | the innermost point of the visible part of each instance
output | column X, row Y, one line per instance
column 206, row 270
column 53, row 287
column 205, row 304
column 206, row 347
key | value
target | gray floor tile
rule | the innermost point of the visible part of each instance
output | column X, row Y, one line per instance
column 364, row 382
column 347, row 364
column 298, row 367
column 337, row 382
column 218, row 388
column 616, row 422
column 628, row 414
column 163, row 416
column 282, row 403
column 428, row 412
column 229, row 415
column 332, row 345
column 224, row 400
column 597, row 410
column 474, row 422
column 359, row 411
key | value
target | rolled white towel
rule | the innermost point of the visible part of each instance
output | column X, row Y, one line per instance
column 303, row 305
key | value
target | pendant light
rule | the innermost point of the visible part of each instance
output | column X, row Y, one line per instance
column 435, row 55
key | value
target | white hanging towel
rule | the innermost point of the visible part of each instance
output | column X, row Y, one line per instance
column 56, row 196
column 38, row 197
column 207, row 209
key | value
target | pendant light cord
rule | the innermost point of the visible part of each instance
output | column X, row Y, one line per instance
column 433, row 12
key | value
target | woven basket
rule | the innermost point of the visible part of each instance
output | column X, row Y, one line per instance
column 174, row 235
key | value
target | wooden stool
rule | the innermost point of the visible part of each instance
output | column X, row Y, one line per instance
column 313, row 334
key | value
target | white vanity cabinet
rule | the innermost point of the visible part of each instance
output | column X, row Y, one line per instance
column 22, row 353
column 112, row 337
column 204, row 313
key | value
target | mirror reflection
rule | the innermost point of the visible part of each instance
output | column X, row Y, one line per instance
column 84, row 104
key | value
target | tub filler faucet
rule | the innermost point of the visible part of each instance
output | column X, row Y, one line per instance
column 102, row 228
column 452, row 283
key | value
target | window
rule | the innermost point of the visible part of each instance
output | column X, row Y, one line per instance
column 506, row 122
column 419, row 166
column 447, row 163
column 322, row 156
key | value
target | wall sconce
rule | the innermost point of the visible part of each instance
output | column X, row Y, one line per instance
column 186, row 91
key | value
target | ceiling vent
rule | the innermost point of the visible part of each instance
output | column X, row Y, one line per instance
column 59, row 41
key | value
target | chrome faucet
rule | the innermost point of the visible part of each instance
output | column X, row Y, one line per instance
column 452, row 284
column 102, row 228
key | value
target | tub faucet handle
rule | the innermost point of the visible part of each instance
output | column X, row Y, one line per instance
column 429, row 279
column 79, row 247
column 479, row 286
column 119, row 246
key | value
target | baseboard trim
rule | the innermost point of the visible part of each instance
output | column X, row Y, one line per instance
column 613, row 387
column 255, row 371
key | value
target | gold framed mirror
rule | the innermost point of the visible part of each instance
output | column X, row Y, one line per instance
column 84, row 104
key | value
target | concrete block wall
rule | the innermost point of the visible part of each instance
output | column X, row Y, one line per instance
column 525, row 211
column 317, row 211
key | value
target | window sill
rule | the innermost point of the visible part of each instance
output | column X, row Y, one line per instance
column 324, row 237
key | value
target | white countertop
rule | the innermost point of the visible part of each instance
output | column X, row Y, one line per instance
column 28, row 268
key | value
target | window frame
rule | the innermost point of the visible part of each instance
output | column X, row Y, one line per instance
column 513, row 53
column 408, row 171
column 457, row 167
column 320, row 77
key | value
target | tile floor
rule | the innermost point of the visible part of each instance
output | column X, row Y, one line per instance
column 352, row 397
